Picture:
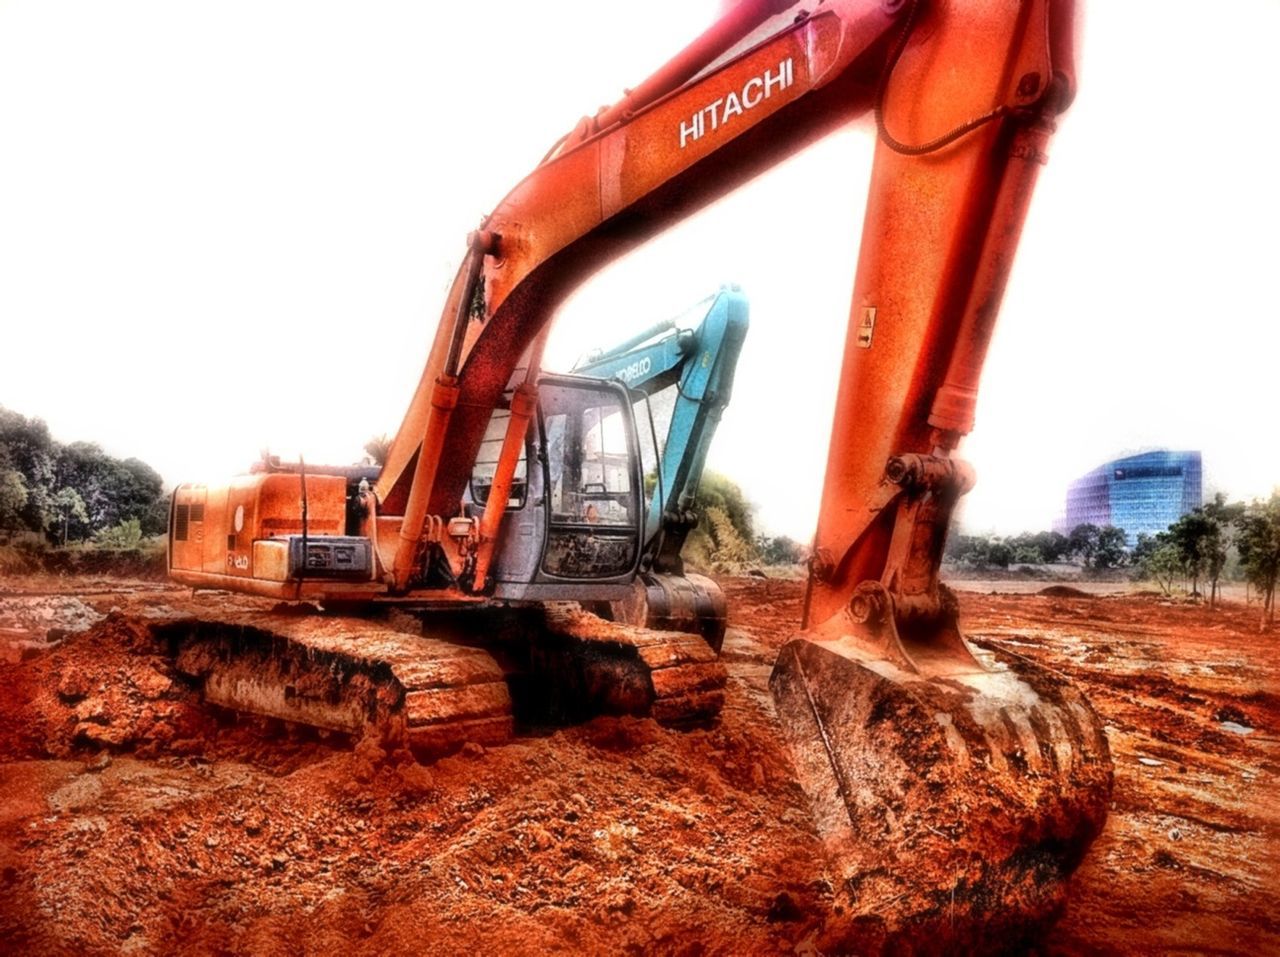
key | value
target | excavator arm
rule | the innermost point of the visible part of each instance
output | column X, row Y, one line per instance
column 929, row 217
column 699, row 363
column 955, row 791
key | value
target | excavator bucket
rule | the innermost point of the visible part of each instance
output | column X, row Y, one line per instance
column 954, row 792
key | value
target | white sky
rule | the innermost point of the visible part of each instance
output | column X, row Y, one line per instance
column 225, row 226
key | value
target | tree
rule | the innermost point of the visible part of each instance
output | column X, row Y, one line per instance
column 1202, row 537
column 1082, row 543
column 13, row 500
column 1109, row 550
column 1162, row 562
column 1188, row 536
column 68, row 506
column 1025, row 553
column 780, row 550
column 717, row 491
column 724, row 533
column 125, row 535
column 1143, row 550
column 999, row 554
column 730, row 547
column 31, row 452
column 1222, row 518
column 1258, row 527
column 973, row 550
column 377, row 448
column 1053, row 546
column 39, row 476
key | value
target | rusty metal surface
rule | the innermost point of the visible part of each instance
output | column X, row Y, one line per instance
column 690, row 603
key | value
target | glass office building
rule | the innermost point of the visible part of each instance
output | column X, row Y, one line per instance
column 1142, row 494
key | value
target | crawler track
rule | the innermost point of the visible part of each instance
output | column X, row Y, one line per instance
column 615, row 668
column 349, row 675
column 364, row 677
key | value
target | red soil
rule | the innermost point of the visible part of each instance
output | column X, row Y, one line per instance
column 135, row 818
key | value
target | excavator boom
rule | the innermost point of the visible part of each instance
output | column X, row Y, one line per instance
column 912, row 748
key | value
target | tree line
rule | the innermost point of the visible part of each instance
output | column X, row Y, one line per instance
column 1201, row 547
column 1088, row 545
column 64, row 493
column 1204, row 543
column 1215, row 541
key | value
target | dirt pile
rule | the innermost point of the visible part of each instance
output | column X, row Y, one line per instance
column 134, row 819
column 178, row 827
column 30, row 624
column 110, row 688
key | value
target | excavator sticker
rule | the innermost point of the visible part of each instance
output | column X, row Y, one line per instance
column 638, row 368
column 754, row 92
column 866, row 327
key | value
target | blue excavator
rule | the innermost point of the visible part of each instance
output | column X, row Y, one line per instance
column 684, row 379
column 678, row 381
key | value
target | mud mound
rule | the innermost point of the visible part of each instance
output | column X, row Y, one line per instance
column 1063, row 591
column 113, row 688
column 28, row 625
column 615, row 836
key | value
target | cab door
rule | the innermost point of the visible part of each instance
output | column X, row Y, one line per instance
column 591, row 481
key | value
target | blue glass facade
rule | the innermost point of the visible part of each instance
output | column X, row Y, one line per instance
column 1142, row 493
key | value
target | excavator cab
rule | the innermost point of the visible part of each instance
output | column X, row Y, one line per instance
column 575, row 514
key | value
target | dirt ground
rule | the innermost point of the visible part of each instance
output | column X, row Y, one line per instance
column 133, row 818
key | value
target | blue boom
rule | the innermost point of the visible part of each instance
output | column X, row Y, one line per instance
column 700, row 363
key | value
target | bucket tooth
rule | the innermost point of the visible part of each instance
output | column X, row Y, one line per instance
column 952, row 808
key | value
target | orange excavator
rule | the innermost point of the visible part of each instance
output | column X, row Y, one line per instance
column 955, row 789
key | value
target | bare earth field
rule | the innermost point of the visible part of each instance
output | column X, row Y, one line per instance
column 133, row 818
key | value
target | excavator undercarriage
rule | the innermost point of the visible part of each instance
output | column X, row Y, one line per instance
column 435, row 681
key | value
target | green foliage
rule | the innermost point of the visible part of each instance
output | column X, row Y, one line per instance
column 1202, row 538
column 1000, row 554
column 128, row 534
column 1097, row 547
column 1083, row 542
column 968, row 550
column 780, row 550
column 1222, row 519
column 731, row 549
column 66, row 507
column 13, row 498
column 71, row 492
column 377, row 448
column 724, row 535
column 1146, row 547
column 1160, row 561
column 717, row 491
column 1109, row 551
column 980, row 551
column 1258, row 527
column 1052, row 546
column 27, row 448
